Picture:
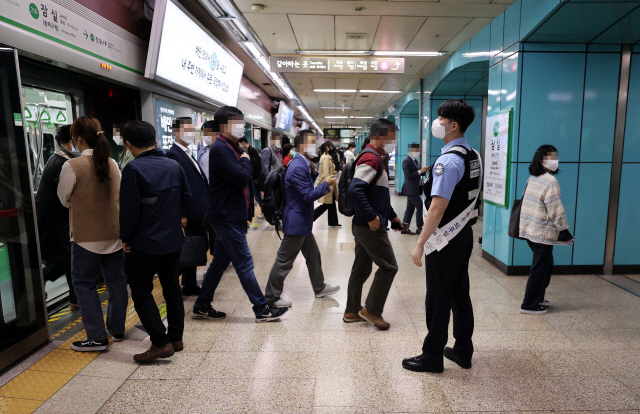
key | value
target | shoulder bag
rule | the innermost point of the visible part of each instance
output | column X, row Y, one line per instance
column 514, row 221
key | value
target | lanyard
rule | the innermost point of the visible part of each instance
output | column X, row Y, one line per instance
column 441, row 237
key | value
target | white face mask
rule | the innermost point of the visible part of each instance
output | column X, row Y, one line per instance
column 414, row 154
column 237, row 131
column 117, row 139
column 551, row 165
column 189, row 137
column 438, row 130
column 207, row 140
column 277, row 145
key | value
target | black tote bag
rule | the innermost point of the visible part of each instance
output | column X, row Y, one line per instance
column 194, row 250
column 514, row 221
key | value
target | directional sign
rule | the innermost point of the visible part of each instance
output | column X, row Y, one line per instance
column 336, row 64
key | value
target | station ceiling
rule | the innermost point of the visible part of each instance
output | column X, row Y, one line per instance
column 285, row 26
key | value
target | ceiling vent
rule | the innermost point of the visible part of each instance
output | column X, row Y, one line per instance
column 345, row 96
column 364, row 96
column 355, row 35
column 266, row 84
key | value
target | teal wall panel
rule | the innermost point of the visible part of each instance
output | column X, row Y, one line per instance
column 510, row 95
column 591, row 213
column 409, row 127
column 495, row 88
column 632, row 130
column 600, row 102
column 489, row 229
column 626, row 250
column 533, row 12
column 511, row 25
column 522, row 255
column 503, row 243
column 551, row 112
column 568, row 180
column 497, row 34
column 481, row 45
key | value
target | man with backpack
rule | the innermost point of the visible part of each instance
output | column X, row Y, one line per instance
column 369, row 193
column 297, row 220
column 229, row 198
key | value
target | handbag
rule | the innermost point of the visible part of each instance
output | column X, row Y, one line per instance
column 194, row 250
column 514, row 220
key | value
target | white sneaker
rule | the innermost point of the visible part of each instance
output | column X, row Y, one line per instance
column 545, row 303
column 328, row 290
column 539, row 311
column 281, row 303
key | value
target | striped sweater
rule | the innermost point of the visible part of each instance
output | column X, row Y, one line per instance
column 542, row 216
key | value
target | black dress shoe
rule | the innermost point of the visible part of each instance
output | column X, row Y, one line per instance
column 190, row 290
column 451, row 355
column 417, row 364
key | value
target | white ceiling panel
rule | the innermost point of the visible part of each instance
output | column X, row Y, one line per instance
column 313, row 31
column 347, row 83
column 437, row 32
column 414, row 64
column 371, row 83
column 467, row 33
column 355, row 24
column 283, row 41
column 396, row 32
column 323, row 83
column 300, row 83
column 394, row 84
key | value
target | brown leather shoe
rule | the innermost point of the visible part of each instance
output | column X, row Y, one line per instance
column 177, row 345
column 154, row 353
column 352, row 317
column 375, row 320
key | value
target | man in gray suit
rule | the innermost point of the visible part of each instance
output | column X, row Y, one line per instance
column 412, row 188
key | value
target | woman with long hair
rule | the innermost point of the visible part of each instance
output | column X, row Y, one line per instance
column 327, row 202
column 90, row 187
column 543, row 224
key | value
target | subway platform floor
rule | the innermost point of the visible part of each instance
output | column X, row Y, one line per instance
column 584, row 355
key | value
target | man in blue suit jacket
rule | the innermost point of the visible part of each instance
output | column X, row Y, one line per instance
column 412, row 188
column 181, row 152
column 297, row 223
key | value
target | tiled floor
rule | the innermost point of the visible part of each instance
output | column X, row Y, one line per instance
column 584, row 355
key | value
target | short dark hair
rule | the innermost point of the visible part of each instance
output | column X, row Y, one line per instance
column 380, row 127
column 457, row 110
column 535, row 168
column 286, row 148
column 139, row 134
column 222, row 115
column 414, row 144
column 211, row 124
column 351, row 145
column 64, row 134
column 241, row 140
column 178, row 122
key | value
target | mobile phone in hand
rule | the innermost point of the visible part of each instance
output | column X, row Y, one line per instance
column 396, row 226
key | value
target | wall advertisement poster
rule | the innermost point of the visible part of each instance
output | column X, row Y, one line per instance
column 497, row 157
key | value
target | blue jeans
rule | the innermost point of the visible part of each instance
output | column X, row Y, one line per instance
column 231, row 247
column 85, row 269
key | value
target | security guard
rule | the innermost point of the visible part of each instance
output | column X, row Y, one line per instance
column 451, row 199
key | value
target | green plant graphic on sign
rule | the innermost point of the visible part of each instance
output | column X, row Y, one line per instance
column 496, row 129
column 33, row 9
column 61, row 117
column 92, row 38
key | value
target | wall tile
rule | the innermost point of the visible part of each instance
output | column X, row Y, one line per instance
column 522, row 255
column 495, row 86
column 600, row 101
column 489, row 228
column 591, row 213
column 551, row 105
column 408, row 134
column 554, row 47
column 512, row 24
column 504, row 243
column 481, row 45
column 626, row 250
column 533, row 12
column 510, row 95
column 497, row 34
column 632, row 130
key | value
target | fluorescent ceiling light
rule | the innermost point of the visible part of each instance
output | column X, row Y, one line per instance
column 254, row 50
column 362, row 117
column 376, row 91
column 335, row 90
column 336, row 116
column 334, row 52
column 355, row 127
column 405, row 53
column 335, row 107
column 264, row 63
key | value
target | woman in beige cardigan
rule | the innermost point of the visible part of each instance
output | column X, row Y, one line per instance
column 327, row 202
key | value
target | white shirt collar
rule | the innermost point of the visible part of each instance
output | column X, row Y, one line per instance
column 183, row 148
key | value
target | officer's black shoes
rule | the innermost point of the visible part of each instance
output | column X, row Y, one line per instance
column 407, row 231
column 417, row 364
column 451, row 355
column 540, row 310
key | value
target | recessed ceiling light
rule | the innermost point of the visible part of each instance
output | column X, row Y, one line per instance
column 404, row 53
column 377, row 91
column 335, row 90
column 333, row 52
column 336, row 116
column 335, row 107
column 362, row 117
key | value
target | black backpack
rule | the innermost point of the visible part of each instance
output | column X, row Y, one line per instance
column 345, row 205
column 274, row 199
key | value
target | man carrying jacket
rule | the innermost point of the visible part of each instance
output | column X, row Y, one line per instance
column 412, row 188
column 181, row 152
column 152, row 214
column 229, row 198
column 372, row 202
column 297, row 223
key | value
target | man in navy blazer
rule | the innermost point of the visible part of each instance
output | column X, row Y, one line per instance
column 412, row 188
column 181, row 152
column 297, row 223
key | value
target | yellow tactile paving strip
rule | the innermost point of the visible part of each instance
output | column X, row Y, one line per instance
column 29, row 390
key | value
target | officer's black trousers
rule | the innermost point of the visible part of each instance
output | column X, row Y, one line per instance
column 447, row 290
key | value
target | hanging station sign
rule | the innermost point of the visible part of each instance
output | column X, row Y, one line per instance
column 182, row 54
column 336, row 64
column 497, row 158
column 80, row 28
